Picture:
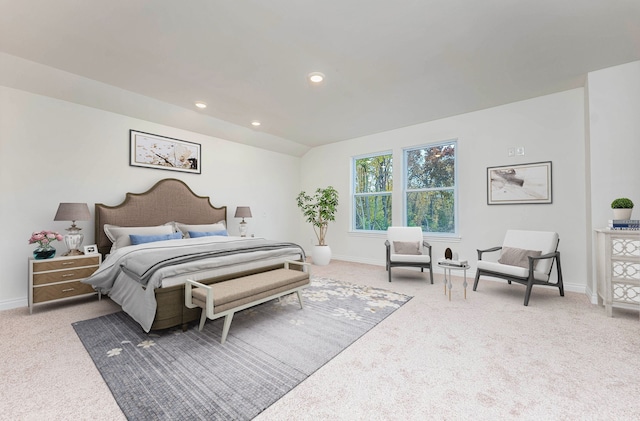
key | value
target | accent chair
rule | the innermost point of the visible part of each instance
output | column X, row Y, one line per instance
column 406, row 247
column 527, row 258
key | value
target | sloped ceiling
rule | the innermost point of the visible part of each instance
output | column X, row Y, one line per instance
column 387, row 64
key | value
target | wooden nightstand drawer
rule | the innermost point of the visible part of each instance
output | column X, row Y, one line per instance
column 62, row 275
column 61, row 290
column 47, row 265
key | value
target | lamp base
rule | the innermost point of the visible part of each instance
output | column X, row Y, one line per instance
column 243, row 228
column 73, row 240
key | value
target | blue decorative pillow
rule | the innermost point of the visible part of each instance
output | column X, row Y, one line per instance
column 141, row 239
column 195, row 234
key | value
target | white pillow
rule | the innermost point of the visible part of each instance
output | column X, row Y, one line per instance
column 185, row 228
column 119, row 236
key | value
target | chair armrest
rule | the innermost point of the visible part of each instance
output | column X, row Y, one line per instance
column 428, row 246
column 487, row 251
column 533, row 260
column 544, row 256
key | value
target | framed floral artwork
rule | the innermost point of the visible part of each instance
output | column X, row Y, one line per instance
column 164, row 153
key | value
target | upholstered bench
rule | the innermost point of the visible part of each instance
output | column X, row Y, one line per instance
column 224, row 298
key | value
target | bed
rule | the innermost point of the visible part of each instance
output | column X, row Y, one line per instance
column 152, row 292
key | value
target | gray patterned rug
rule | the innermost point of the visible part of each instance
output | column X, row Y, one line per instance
column 271, row 348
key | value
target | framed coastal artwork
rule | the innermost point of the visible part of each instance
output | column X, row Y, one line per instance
column 164, row 153
column 519, row 184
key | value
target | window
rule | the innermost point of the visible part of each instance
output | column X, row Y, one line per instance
column 430, row 188
column 372, row 187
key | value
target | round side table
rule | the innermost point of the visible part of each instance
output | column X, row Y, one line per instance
column 447, row 277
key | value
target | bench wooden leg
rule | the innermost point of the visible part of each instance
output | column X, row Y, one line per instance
column 203, row 318
column 300, row 298
column 227, row 325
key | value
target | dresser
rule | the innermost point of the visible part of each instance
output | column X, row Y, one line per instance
column 59, row 278
column 618, row 268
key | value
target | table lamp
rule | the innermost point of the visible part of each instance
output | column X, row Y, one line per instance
column 243, row 212
column 73, row 212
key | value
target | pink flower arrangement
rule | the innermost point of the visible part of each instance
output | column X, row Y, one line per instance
column 45, row 238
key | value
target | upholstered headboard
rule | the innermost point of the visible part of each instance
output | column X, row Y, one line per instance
column 168, row 200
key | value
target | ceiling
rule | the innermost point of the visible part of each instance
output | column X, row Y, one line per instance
column 387, row 64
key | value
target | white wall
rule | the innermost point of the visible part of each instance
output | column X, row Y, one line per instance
column 614, row 136
column 550, row 128
column 56, row 151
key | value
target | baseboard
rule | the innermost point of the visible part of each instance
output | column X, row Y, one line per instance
column 375, row 262
column 15, row 303
column 591, row 295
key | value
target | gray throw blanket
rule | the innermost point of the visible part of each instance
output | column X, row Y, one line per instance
column 145, row 265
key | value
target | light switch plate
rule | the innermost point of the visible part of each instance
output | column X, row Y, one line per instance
column 511, row 152
column 520, row 151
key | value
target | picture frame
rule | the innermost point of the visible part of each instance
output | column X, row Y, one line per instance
column 165, row 153
column 91, row 249
column 520, row 184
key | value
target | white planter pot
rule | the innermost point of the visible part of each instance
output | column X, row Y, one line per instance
column 321, row 255
column 622, row 213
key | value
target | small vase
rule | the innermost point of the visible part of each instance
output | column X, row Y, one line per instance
column 42, row 253
column 622, row 213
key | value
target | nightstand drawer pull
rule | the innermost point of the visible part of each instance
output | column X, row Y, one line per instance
column 68, row 263
column 66, row 275
column 68, row 290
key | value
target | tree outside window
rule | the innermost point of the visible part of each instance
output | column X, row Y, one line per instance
column 373, row 185
column 430, row 189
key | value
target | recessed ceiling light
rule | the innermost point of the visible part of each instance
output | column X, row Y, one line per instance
column 316, row 77
column 255, row 123
column 201, row 104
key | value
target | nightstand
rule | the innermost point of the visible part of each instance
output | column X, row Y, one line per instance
column 59, row 278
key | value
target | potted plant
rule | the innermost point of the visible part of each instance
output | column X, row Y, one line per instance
column 622, row 208
column 319, row 210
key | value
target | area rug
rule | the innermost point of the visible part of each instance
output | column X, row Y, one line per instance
column 271, row 348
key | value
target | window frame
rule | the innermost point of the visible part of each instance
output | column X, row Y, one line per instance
column 405, row 190
column 354, row 194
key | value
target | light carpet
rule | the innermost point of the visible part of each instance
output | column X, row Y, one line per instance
column 270, row 349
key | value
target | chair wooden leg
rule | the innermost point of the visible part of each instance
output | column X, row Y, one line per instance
column 559, row 269
column 475, row 283
column 431, row 274
column 527, row 294
column 389, row 273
